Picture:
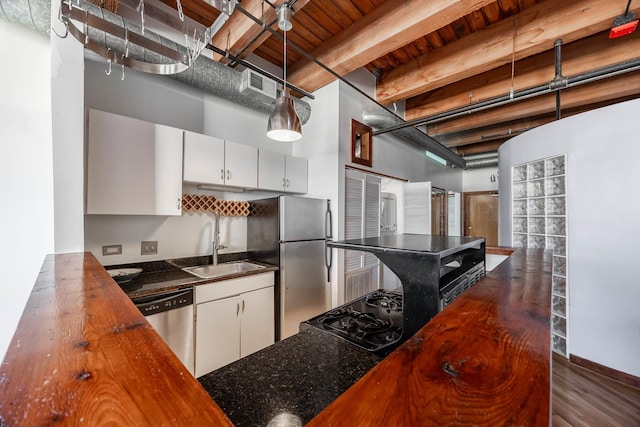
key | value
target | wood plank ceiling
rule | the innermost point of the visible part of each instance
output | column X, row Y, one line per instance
column 439, row 55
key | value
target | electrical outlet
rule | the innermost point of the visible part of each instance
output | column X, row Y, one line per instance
column 112, row 250
column 149, row 248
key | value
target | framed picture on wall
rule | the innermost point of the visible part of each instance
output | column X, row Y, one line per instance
column 361, row 143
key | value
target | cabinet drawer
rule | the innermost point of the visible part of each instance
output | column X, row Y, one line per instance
column 231, row 287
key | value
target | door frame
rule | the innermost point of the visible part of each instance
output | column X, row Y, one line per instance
column 465, row 204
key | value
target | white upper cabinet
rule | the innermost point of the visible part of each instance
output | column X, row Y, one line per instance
column 133, row 167
column 279, row 172
column 210, row 160
column 271, row 171
column 203, row 159
column 241, row 165
column 296, row 174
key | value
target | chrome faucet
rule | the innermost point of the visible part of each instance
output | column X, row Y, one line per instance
column 216, row 238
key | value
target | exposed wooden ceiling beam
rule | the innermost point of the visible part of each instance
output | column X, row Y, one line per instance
column 499, row 131
column 579, row 57
column 536, row 28
column 393, row 24
column 239, row 30
column 606, row 90
column 479, row 148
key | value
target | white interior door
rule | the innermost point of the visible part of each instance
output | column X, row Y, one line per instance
column 417, row 208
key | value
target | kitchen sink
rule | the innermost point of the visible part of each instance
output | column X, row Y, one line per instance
column 210, row 271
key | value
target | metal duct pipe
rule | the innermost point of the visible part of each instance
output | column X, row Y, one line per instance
column 521, row 95
column 484, row 162
column 558, row 81
column 414, row 136
column 204, row 74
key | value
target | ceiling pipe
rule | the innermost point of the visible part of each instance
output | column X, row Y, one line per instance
column 559, row 81
column 521, row 95
column 205, row 74
column 482, row 161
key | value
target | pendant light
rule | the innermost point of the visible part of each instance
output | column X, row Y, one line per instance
column 284, row 124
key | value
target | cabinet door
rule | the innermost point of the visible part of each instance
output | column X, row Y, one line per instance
column 241, row 165
column 203, row 159
column 217, row 334
column 132, row 166
column 168, row 172
column 296, row 175
column 257, row 330
column 271, row 172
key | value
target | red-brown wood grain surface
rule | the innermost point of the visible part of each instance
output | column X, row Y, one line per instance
column 484, row 360
column 84, row 355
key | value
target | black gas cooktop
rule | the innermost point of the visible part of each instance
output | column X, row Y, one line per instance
column 372, row 322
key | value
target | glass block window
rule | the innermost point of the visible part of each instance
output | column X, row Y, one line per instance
column 540, row 221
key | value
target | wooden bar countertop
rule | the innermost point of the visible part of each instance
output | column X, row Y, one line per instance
column 484, row 360
column 84, row 355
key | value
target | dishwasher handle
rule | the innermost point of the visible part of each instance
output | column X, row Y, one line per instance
column 164, row 302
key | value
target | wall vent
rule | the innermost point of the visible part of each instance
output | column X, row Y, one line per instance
column 258, row 86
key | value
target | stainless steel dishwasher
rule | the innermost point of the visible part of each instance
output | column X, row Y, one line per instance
column 171, row 315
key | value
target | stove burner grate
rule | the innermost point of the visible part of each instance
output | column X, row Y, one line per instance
column 361, row 328
column 390, row 301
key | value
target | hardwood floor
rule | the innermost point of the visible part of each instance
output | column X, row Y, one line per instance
column 584, row 398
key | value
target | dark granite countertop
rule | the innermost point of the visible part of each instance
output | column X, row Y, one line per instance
column 163, row 276
column 439, row 246
column 295, row 377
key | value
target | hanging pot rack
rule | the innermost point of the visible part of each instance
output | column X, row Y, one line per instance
column 171, row 57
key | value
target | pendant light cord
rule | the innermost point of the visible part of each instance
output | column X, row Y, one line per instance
column 285, row 60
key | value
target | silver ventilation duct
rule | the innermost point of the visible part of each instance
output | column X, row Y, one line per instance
column 482, row 161
column 204, row 74
column 413, row 136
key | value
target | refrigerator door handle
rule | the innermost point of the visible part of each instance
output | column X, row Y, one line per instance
column 328, row 222
column 328, row 232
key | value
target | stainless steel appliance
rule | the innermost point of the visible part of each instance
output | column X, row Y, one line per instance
column 291, row 232
column 171, row 315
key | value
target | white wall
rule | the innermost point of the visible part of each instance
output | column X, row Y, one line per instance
column 480, row 179
column 67, row 93
column 603, row 211
column 26, row 171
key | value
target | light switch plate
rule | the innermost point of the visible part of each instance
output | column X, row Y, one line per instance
column 149, row 247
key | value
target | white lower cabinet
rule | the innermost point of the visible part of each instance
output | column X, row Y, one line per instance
column 234, row 318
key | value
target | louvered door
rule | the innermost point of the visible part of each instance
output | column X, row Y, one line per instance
column 362, row 270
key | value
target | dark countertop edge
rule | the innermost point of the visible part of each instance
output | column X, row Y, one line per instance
column 171, row 266
column 358, row 245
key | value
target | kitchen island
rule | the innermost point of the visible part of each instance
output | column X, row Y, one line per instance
column 82, row 353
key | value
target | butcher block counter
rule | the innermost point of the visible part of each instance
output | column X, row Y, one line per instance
column 83, row 355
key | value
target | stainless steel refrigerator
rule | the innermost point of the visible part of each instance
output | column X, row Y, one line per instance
column 291, row 232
